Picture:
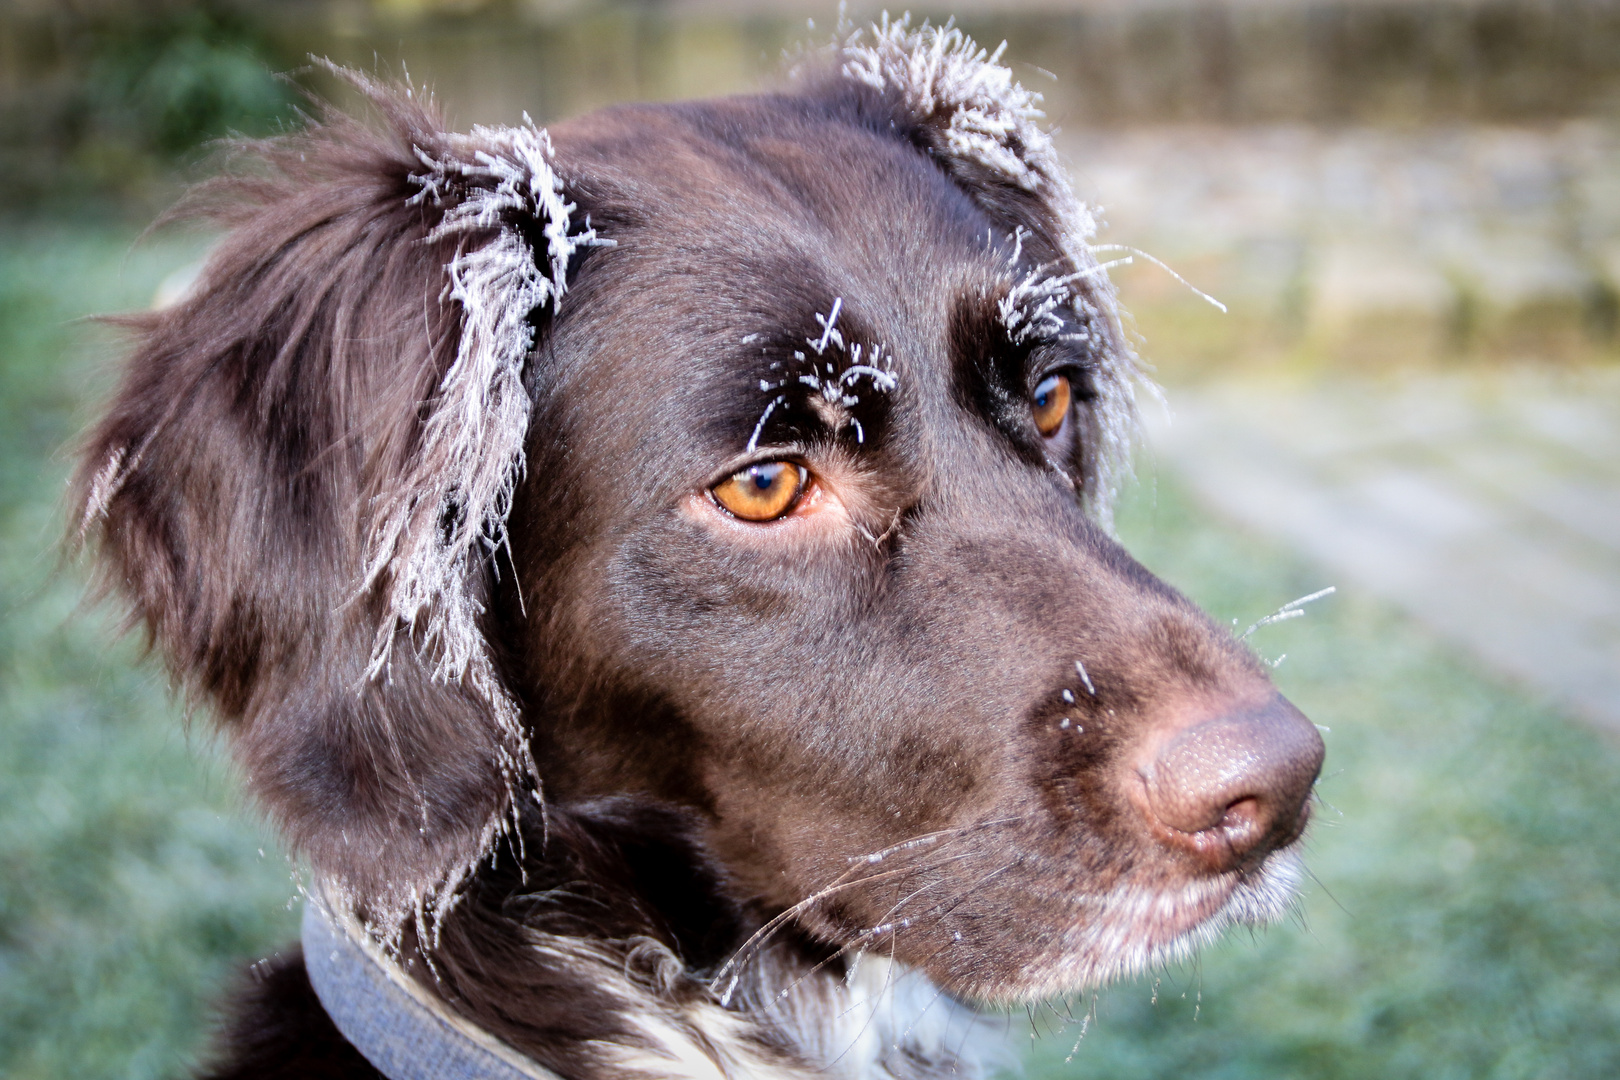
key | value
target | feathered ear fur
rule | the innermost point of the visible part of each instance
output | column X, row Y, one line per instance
column 302, row 484
column 983, row 127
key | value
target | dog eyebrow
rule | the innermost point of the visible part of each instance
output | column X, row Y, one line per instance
column 1025, row 316
column 819, row 380
column 995, row 358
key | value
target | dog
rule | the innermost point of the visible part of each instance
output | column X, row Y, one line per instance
column 657, row 577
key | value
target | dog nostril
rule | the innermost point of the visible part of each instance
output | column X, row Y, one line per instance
column 1244, row 824
column 1234, row 786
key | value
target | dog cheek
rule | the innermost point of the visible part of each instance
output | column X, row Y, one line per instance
column 742, row 621
column 937, row 777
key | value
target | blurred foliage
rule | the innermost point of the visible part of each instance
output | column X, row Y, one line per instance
column 113, row 98
column 99, row 96
column 169, row 83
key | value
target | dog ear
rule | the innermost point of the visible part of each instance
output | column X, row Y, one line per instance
column 967, row 112
column 302, row 484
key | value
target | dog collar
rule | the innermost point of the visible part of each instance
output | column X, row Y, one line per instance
column 393, row 1022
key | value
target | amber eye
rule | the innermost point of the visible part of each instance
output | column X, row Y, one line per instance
column 762, row 492
column 1051, row 404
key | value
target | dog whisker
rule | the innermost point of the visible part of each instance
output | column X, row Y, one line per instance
column 1080, row 669
column 864, row 937
column 753, row 440
column 752, row 946
column 930, row 837
column 827, row 322
column 1292, row 610
column 861, row 938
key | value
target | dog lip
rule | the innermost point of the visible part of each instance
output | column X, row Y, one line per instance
column 1136, row 926
column 1215, row 892
column 1188, row 918
column 1181, row 909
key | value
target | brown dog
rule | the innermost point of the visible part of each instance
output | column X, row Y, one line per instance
column 653, row 575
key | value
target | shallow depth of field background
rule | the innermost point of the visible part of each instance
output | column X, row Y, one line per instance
column 1411, row 209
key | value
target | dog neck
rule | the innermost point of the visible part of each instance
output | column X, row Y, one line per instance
column 521, row 986
column 400, row 1029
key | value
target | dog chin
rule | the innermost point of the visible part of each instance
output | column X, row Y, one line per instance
column 1135, row 929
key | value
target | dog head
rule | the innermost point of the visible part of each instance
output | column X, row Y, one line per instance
column 749, row 458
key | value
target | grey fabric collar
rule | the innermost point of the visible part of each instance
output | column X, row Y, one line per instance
column 394, row 1023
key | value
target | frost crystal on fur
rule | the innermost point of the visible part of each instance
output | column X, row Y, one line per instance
column 988, row 119
column 836, row 384
column 451, row 510
column 865, row 362
column 108, row 479
column 1029, row 311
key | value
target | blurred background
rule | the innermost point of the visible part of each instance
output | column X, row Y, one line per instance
column 1411, row 211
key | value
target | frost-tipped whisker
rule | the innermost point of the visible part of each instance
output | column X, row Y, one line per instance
column 738, row 959
column 885, row 380
column 1162, row 265
column 927, row 838
column 828, row 333
column 1292, row 610
column 862, row 938
column 756, row 941
column 753, row 440
column 1080, row 669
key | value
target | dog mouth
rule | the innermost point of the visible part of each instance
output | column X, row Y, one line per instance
column 1141, row 926
column 1090, row 939
column 1136, row 928
column 1086, row 939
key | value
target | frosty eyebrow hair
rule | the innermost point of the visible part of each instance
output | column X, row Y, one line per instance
column 1032, row 309
column 819, row 369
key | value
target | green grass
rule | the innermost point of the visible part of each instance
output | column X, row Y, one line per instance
column 1467, row 920
column 132, row 882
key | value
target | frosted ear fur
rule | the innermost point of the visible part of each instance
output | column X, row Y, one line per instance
column 987, row 126
column 303, row 483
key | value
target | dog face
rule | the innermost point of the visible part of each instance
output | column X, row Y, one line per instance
column 923, row 638
column 778, row 518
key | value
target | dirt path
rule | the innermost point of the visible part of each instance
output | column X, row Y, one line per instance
column 1488, row 506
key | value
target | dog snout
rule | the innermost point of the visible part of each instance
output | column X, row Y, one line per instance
column 1229, row 788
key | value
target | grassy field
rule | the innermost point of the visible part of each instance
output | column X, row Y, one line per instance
column 1466, row 922
column 133, row 881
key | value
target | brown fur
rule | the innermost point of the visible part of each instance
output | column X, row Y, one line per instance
column 875, row 703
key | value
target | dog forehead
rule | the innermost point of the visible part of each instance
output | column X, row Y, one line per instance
column 757, row 175
column 750, row 220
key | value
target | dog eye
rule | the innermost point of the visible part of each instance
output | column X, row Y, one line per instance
column 1051, row 404
column 762, row 492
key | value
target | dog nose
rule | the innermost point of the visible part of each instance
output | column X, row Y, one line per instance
column 1231, row 788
